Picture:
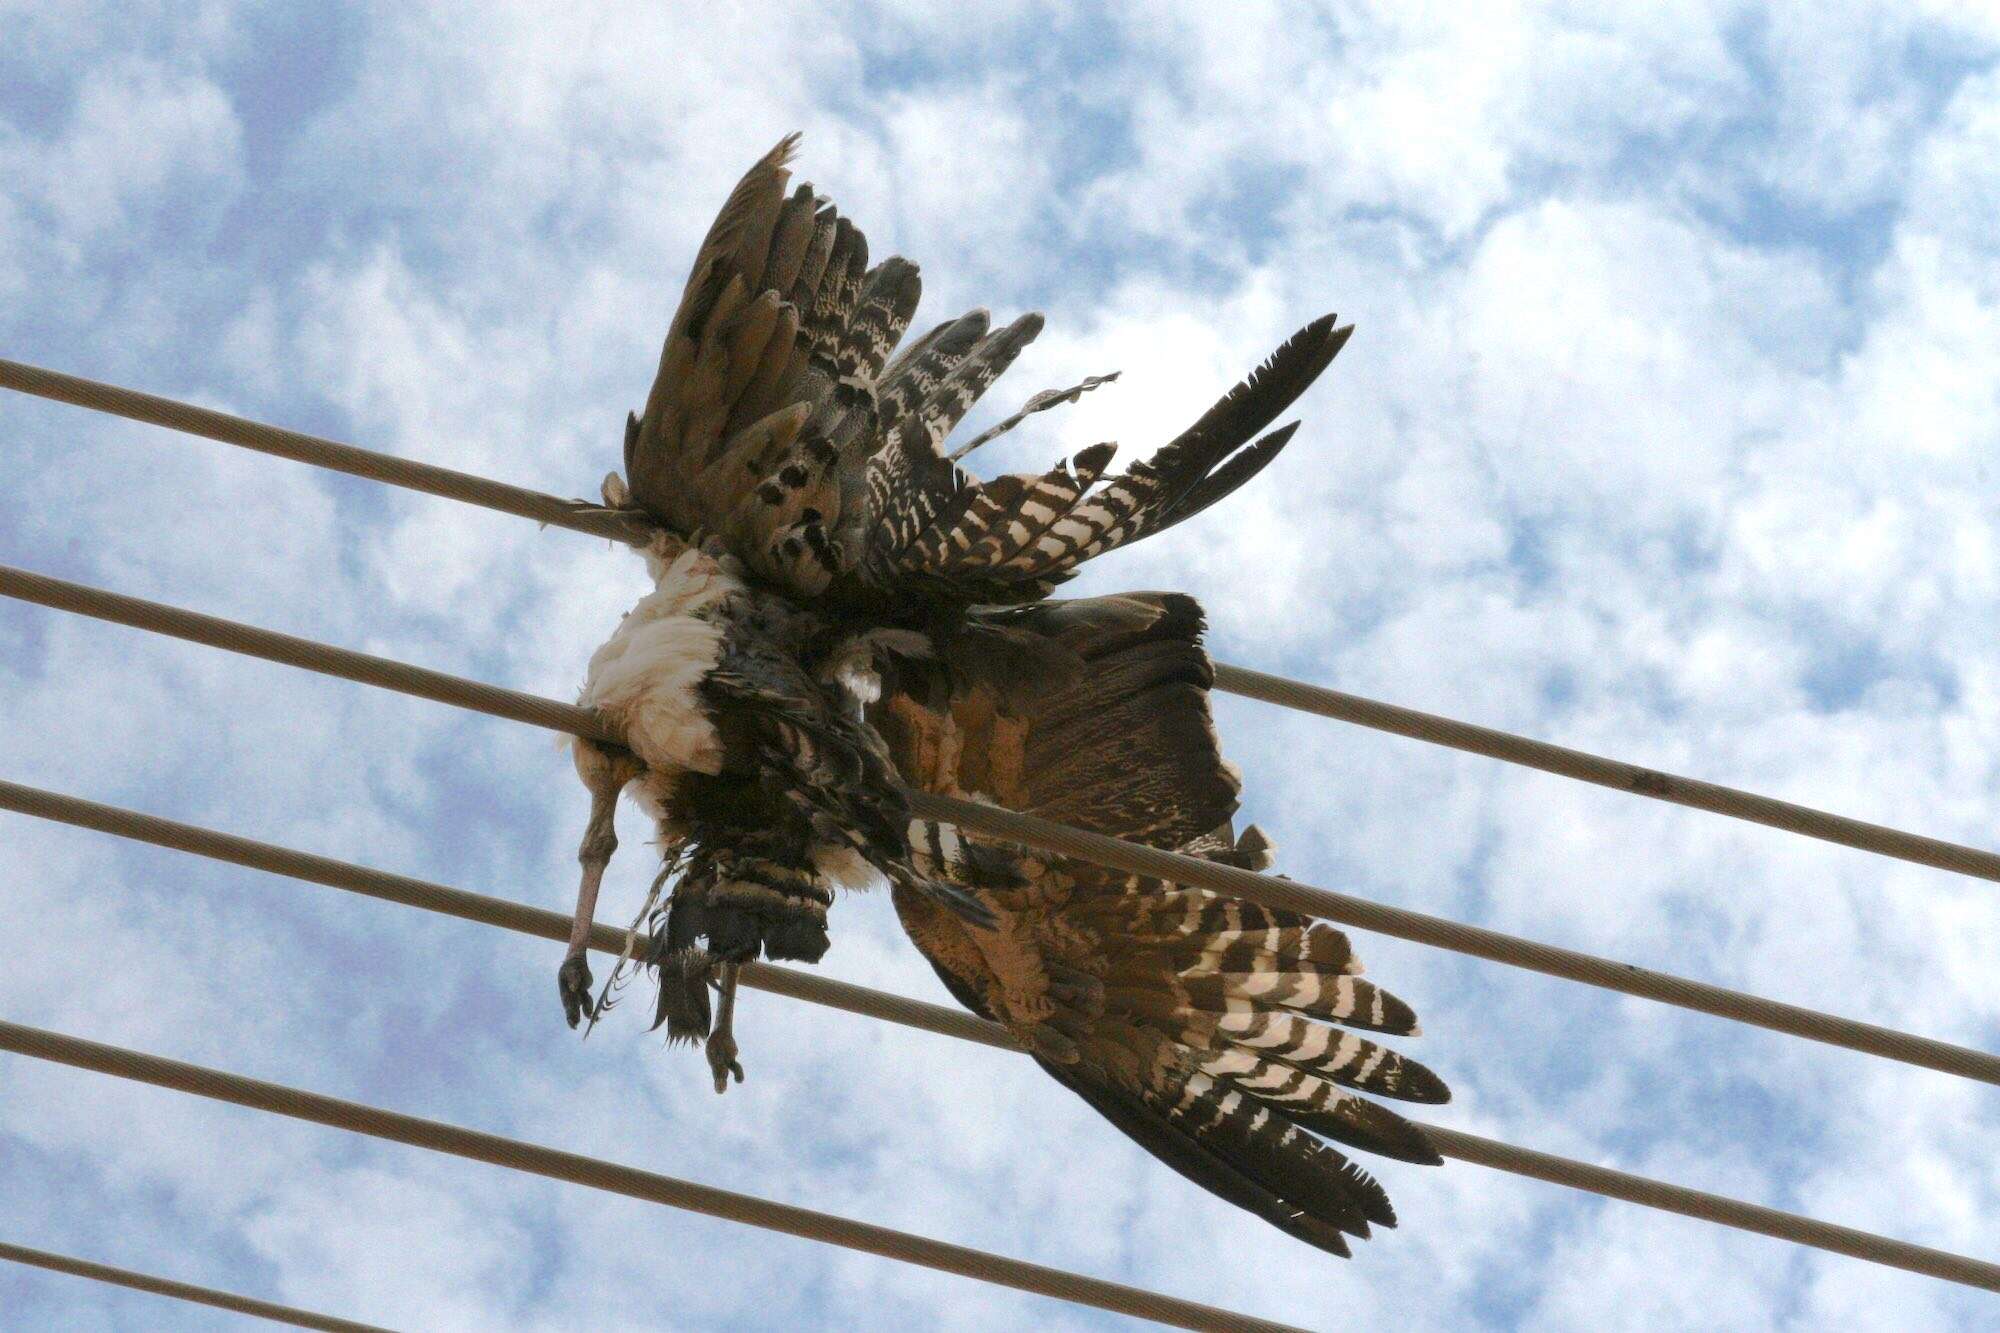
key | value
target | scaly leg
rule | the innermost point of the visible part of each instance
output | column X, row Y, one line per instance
column 605, row 773
column 721, row 1048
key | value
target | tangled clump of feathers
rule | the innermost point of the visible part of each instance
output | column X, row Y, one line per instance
column 841, row 611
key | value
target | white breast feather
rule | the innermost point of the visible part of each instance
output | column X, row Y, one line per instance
column 845, row 868
column 644, row 678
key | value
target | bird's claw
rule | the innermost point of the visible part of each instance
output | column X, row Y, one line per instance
column 722, row 1061
column 573, row 982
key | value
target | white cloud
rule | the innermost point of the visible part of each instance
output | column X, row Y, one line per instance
column 1433, row 115
column 137, row 137
column 1654, row 439
column 389, row 1241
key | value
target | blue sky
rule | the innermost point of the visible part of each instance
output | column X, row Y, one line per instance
column 1668, row 432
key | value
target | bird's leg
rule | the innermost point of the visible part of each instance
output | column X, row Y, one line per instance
column 605, row 773
column 721, row 1047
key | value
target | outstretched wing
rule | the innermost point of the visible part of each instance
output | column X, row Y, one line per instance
column 1223, row 1036
column 764, row 408
column 779, row 424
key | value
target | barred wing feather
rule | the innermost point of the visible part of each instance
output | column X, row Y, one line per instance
column 1223, row 1036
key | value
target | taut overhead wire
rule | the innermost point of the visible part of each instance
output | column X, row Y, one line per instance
column 1272, row 890
column 935, row 1018
column 183, row 1291
column 582, row 516
column 516, row 1155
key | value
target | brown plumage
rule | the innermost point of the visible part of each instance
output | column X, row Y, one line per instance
column 1215, row 1032
column 840, row 607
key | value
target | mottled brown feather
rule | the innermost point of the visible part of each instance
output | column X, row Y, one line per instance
column 1211, row 1030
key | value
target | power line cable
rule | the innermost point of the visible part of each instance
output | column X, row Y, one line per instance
column 1459, row 937
column 321, row 453
column 1715, row 1208
column 1271, row 890
column 577, row 1169
column 184, row 1291
column 1075, row 841
column 1614, row 773
column 595, row 520
column 480, row 908
column 468, row 906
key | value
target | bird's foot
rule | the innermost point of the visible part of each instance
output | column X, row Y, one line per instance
column 721, row 1047
column 722, row 1061
column 605, row 771
column 573, row 982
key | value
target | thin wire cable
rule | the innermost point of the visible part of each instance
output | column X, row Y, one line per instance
column 1614, row 773
column 1459, row 937
column 577, row 1169
column 184, row 1291
column 1491, row 1153
column 1271, row 890
column 1430, row 728
column 322, row 453
column 1694, row 793
column 468, row 906
column 1715, row 1208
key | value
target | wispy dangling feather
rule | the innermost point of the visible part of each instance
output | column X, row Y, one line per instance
column 616, row 981
column 1041, row 402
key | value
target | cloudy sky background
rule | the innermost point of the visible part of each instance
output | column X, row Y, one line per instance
column 1668, row 432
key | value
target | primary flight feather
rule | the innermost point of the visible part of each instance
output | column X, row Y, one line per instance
column 840, row 611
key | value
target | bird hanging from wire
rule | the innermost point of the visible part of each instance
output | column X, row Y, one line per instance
column 840, row 611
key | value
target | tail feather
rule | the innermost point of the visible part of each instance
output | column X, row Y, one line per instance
column 915, row 375
column 791, row 241
column 681, row 965
column 967, row 381
column 887, row 301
